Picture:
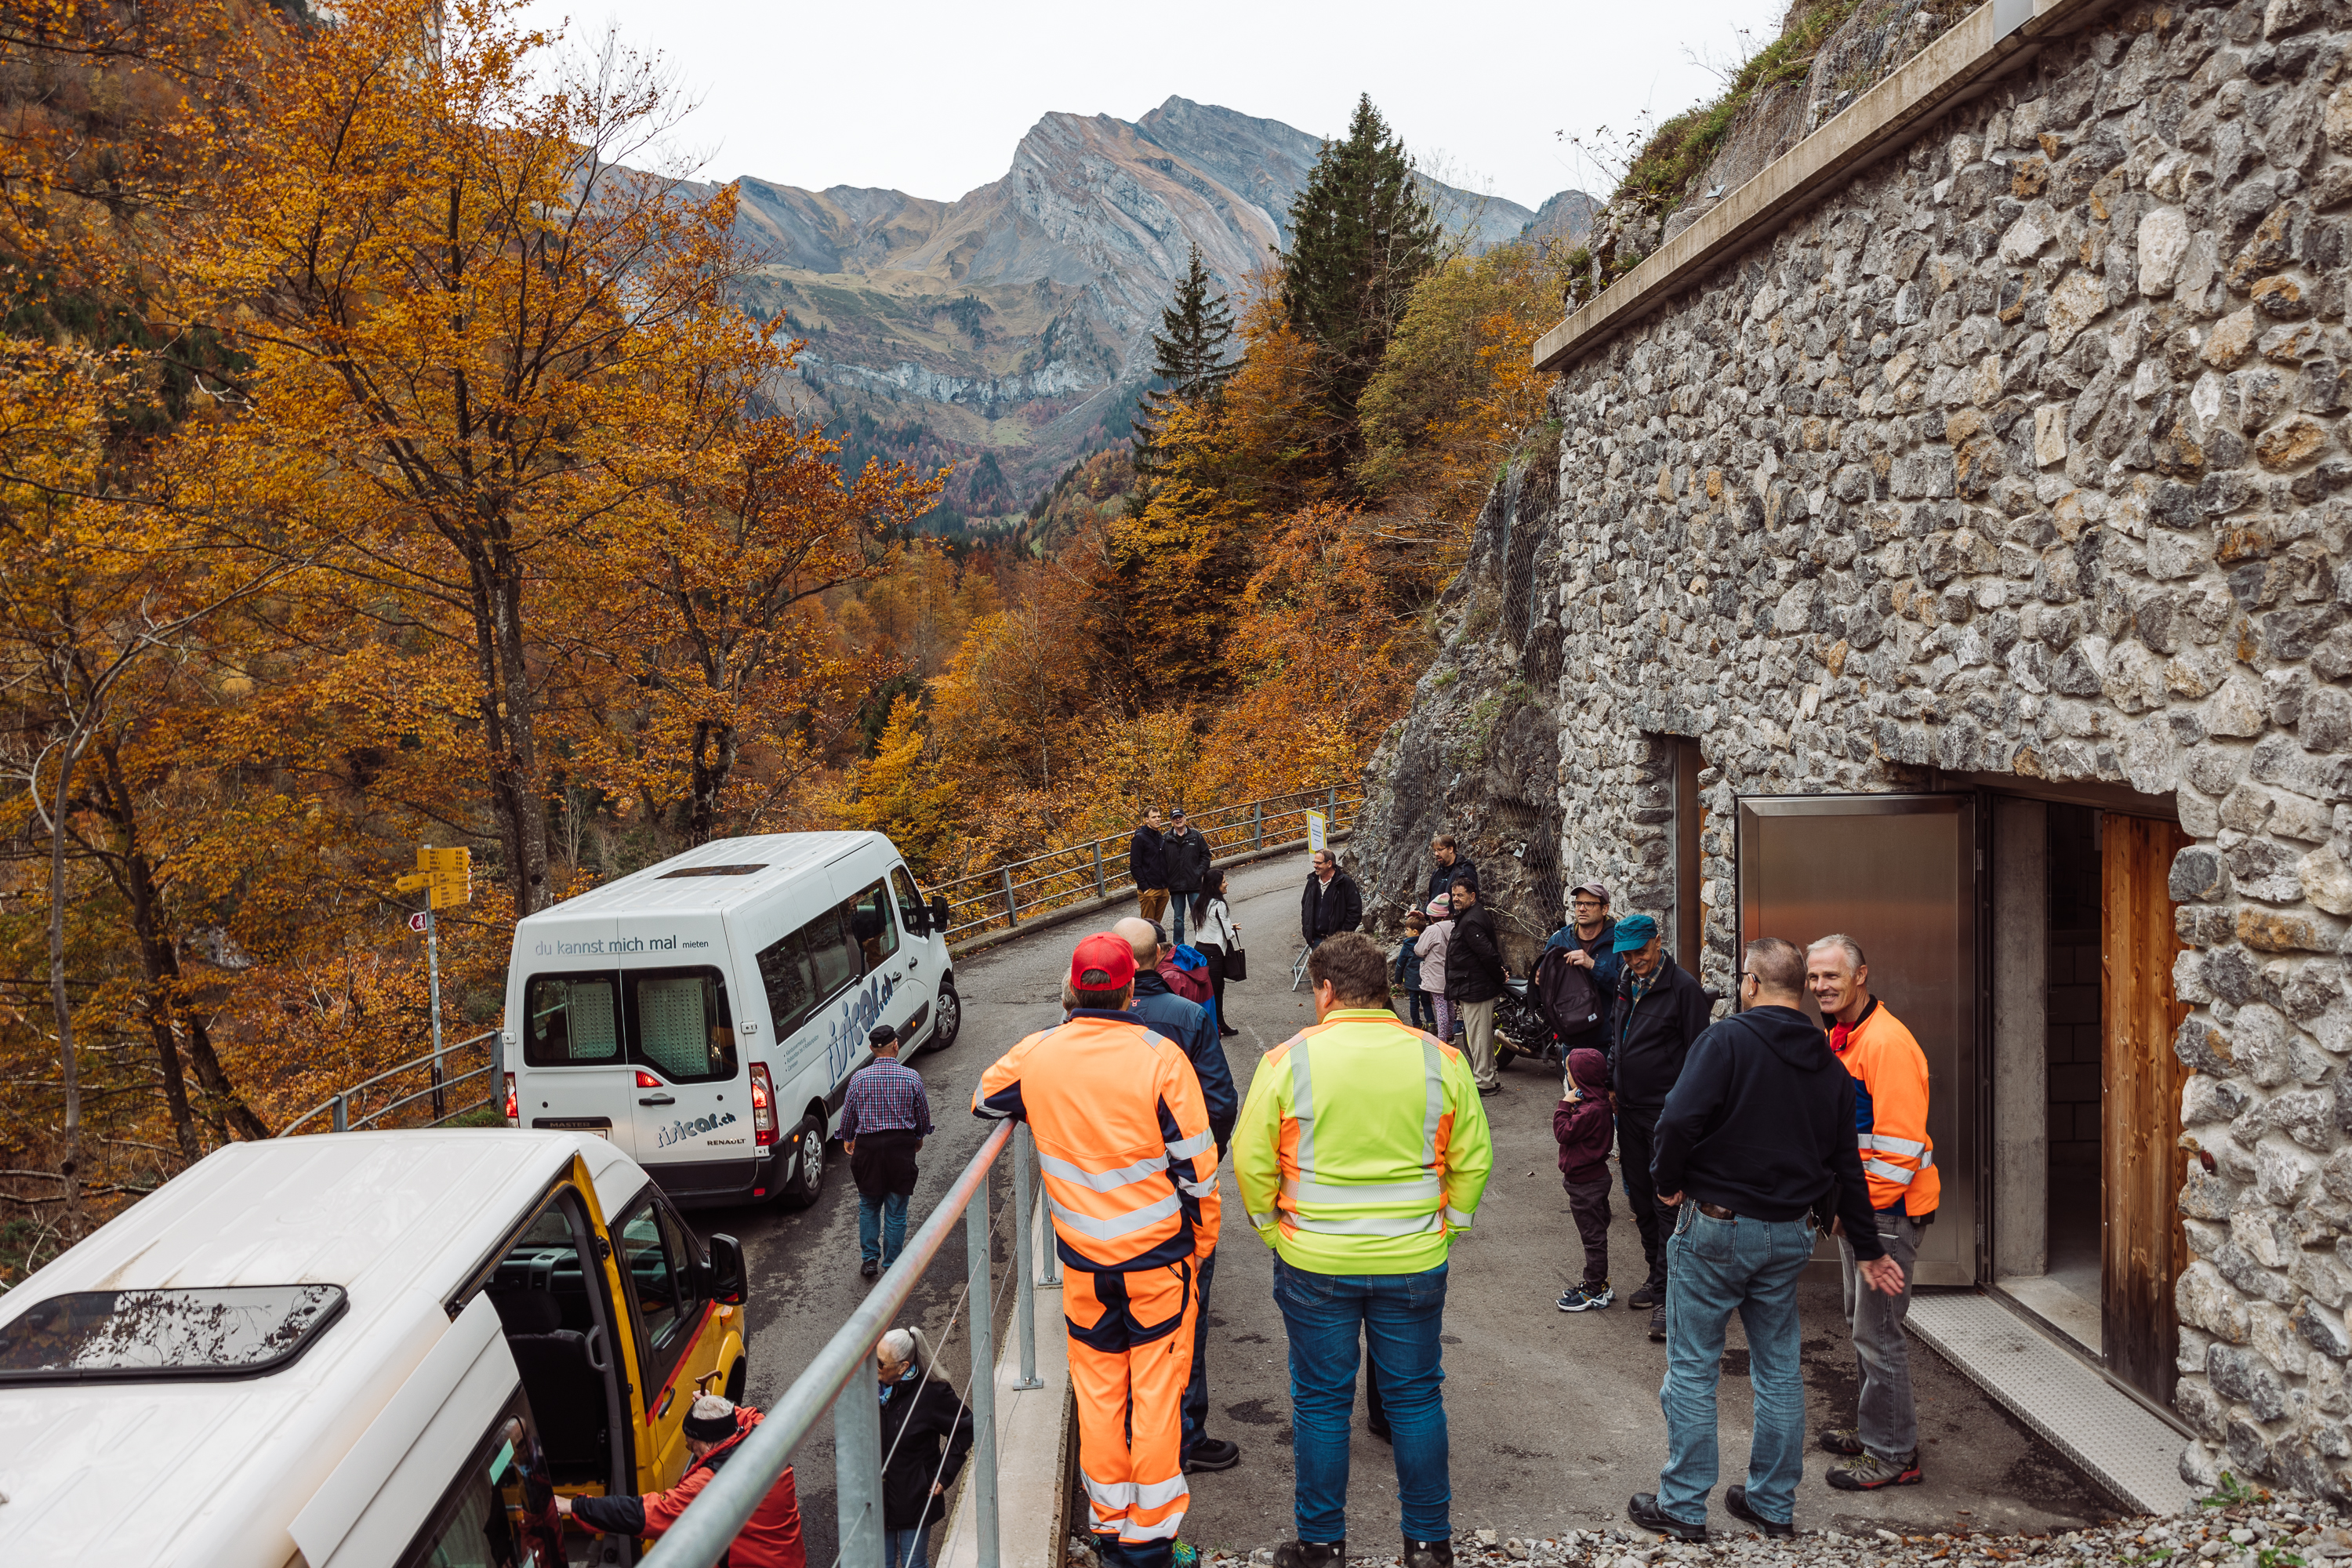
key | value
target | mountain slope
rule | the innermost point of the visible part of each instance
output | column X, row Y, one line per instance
column 1009, row 331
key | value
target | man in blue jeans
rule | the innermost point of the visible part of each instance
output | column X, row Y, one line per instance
column 1758, row 1130
column 884, row 1117
column 1362, row 1152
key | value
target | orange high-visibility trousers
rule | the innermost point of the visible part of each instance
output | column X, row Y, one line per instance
column 1130, row 1357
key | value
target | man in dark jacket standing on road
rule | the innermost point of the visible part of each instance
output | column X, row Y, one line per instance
column 1658, row 1011
column 1474, row 981
column 1451, row 869
column 1331, row 903
column 1187, row 855
column 1147, row 867
column 1758, row 1131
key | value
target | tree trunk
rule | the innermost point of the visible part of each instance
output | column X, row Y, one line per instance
column 68, row 1064
column 714, row 763
column 507, row 730
column 137, row 884
column 242, row 1122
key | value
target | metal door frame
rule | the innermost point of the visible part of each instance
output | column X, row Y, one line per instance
column 1971, row 1112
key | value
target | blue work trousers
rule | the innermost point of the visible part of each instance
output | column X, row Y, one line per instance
column 1714, row 1268
column 1331, row 1320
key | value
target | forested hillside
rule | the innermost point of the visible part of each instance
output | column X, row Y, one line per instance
column 385, row 463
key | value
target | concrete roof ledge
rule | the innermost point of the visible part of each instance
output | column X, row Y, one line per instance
column 1988, row 42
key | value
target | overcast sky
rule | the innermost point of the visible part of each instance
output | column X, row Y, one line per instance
column 930, row 98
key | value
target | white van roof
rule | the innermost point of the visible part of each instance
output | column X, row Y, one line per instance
column 773, row 860
column 208, row 1473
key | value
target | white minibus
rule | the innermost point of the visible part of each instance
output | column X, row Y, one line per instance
column 705, row 1013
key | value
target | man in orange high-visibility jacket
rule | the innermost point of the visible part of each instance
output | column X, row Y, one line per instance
column 1361, row 1153
column 1890, row 1116
column 1131, row 1175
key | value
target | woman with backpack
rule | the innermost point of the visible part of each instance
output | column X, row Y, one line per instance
column 1216, row 936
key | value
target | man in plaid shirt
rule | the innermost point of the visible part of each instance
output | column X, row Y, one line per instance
column 884, row 1118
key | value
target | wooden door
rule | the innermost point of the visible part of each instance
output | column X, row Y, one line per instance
column 2140, row 1147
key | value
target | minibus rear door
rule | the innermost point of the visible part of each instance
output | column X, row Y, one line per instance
column 690, row 1095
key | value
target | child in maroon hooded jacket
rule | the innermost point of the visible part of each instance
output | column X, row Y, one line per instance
column 1586, row 1128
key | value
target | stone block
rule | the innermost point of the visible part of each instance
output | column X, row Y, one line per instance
column 2280, row 1173
column 2163, row 243
column 2205, row 1299
column 2240, row 1375
column 2327, row 880
column 2271, row 930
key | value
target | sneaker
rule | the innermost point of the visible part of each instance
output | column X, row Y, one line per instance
column 1227, row 1031
column 869, row 1268
column 1735, row 1503
column 1311, row 1554
column 1587, row 1298
column 1658, row 1324
column 1428, row 1553
column 1870, row 1472
column 1846, row 1441
column 1491, row 1088
column 1651, row 1293
column 1642, row 1509
column 1213, row 1454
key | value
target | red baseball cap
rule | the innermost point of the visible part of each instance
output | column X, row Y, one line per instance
column 1102, row 963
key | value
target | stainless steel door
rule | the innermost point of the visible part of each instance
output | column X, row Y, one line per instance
column 1898, row 874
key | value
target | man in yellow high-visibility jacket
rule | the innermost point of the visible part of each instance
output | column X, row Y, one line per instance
column 1361, row 1153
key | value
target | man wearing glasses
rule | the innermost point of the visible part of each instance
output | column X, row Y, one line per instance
column 1759, row 1130
column 1587, row 941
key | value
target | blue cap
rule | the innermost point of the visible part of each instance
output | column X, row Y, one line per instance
column 1634, row 932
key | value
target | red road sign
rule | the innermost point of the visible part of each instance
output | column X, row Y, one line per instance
column 417, row 924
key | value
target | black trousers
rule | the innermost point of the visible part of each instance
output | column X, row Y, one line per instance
column 1589, row 1203
column 1216, row 957
column 1637, row 1133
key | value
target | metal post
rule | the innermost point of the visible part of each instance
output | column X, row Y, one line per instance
column 432, row 968
column 1332, row 815
column 343, row 1114
column 1025, row 1274
column 1099, row 890
column 1012, row 908
column 857, row 1471
column 1257, row 825
column 981, row 1315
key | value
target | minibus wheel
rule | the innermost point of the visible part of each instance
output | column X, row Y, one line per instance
column 949, row 1016
column 803, row 1178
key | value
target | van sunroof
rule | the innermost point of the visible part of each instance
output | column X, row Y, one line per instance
column 232, row 1330
column 711, row 871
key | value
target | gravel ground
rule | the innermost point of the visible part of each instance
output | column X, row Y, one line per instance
column 2261, row 1530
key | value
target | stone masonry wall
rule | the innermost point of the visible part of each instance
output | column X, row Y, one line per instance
column 2025, row 452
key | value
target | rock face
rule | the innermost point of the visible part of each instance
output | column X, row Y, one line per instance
column 1016, row 321
column 2022, row 453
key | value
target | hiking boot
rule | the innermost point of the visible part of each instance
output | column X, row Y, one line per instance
column 1588, row 1298
column 1870, row 1472
column 1642, row 1509
column 1311, row 1554
column 1649, row 1293
column 1658, row 1324
column 1428, row 1553
column 1846, row 1441
column 1735, row 1503
column 869, row 1268
column 1213, row 1454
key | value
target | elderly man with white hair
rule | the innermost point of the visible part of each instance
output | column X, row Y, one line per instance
column 926, row 1433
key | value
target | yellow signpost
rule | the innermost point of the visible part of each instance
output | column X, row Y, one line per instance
column 445, row 877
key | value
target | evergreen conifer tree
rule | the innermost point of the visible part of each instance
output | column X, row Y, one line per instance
column 1361, row 236
column 1189, row 361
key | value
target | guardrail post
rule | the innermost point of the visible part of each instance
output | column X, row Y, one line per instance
column 342, row 1113
column 1011, row 907
column 982, row 1316
column 1257, row 825
column 1099, row 890
column 1331, row 814
column 857, row 1471
column 1024, row 1272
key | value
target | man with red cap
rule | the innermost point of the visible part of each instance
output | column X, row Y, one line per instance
column 1130, row 1172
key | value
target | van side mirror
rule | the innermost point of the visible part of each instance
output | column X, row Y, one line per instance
column 940, row 914
column 725, row 1270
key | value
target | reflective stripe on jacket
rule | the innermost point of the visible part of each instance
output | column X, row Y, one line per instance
column 1123, row 1139
column 1362, row 1146
column 1890, row 1074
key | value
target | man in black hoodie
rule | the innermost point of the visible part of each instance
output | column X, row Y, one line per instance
column 1758, row 1131
column 1658, row 1011
column 1147, row 867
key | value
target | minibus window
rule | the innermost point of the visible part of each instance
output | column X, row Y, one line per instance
column 869, row 921
column 570, row 1019
column 678, row 1023
column 832, row 956
column 661, row 1257
column 792, row 990
column 473, row 1527
column 911, row 913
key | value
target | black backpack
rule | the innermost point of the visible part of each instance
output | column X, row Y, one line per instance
column 1564, row 993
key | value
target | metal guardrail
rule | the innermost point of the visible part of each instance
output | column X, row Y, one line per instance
column 439, row 1098
column 1004, row 896
column 718, row 1513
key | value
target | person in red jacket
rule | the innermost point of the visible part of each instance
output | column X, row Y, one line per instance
column 715, row 1430
column 1586, row 1129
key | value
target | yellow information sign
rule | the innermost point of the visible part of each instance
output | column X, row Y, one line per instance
column 446, row 876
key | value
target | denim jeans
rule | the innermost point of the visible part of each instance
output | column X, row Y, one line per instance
column 881, row 1227
column 1717, row 1267
column 1888, row 1421
column 905, row 1548
column 1398, row 1317
column 1179, row 905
